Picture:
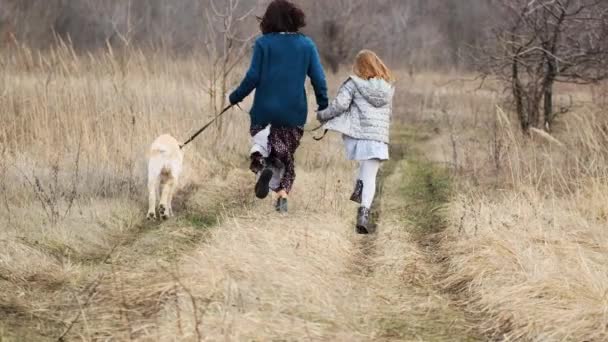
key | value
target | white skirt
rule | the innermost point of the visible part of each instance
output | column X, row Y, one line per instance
column 360, row 149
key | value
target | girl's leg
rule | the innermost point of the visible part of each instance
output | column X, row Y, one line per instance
column 368, row 170
column 283, row 145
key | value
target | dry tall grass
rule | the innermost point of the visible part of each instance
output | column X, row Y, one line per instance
column 78, row 261
column 525, row 252
column 265, row 277
column 527, row 247
column 73, row 135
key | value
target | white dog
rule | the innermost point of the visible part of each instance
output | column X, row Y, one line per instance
column 165, row 160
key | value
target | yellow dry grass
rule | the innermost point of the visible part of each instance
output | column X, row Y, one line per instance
column 307, row 276
column 524, row 255
column 527, row 245
column 79, row 261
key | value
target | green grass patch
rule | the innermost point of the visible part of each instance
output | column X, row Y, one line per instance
column 427, row 189
column 201, row 220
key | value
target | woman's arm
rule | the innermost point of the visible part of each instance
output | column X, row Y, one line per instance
column 340, row 104
column 252, row 78
column 317, row 78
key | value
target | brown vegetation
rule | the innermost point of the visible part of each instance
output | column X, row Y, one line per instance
column 420, row 33
column 525, row 246
column 484, row 232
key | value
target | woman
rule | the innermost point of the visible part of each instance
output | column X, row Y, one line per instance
column 282, row 58
column 362, row 113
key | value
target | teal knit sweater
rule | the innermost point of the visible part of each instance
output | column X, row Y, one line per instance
column 279, row 66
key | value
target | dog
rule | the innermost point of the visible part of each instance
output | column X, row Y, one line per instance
column 165, row 162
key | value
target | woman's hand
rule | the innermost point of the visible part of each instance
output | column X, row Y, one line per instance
column 322, row 115
column 232, row 100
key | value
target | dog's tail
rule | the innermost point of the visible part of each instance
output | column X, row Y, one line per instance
column 164, row 147
column 160, row 149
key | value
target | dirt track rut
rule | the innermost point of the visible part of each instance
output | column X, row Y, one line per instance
column 260, row 276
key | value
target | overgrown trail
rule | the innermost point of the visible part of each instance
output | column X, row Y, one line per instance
column 109, row 298
column 307, row 276
column 260, row 276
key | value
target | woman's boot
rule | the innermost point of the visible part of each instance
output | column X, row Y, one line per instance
column 281, row 205
column 357, row 193
column 363, row 224
column 262, row 186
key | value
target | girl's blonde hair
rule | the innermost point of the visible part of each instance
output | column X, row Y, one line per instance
column 368, row 65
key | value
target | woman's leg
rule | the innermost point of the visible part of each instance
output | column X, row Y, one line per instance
column 259, row 148
column 368, row 170
column 283, row 145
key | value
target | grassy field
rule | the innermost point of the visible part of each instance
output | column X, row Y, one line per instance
column 483, row 233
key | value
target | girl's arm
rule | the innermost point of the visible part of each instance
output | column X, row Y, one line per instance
column 252, row 78
column 340, row 104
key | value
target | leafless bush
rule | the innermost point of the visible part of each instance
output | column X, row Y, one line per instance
column 51, row 193
column 421, row 32
column 225, row 46
column 546, row 42
column 176, row 25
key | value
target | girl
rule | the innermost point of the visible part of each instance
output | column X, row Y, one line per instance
column 362, row 112
column 282, row 58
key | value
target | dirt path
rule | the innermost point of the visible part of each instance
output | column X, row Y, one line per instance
column 259, row 276
column 307, row 276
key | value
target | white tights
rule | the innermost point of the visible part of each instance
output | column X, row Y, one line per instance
column 368, row 170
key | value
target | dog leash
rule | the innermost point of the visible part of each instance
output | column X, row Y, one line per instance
column 207, row 125
column 316, row 129
column 200, row 131
column 305, row 130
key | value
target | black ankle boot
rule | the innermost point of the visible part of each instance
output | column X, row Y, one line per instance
column 363, row 224
column 356, row 196
column 281, row 205
column 262, row 186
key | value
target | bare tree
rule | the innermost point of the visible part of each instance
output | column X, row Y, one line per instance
column 332, row 24
column 543, row 42
column 412, row 33
column 225, row 47
column 343, row 27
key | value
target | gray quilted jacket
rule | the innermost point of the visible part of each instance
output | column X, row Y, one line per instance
column 361, row 110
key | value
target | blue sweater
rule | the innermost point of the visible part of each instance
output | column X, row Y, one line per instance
column 278, row 71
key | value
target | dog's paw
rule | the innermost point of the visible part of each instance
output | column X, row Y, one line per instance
column 164, row 213
column 151, row 216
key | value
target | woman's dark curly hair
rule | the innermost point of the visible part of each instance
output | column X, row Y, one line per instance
column 282, row 16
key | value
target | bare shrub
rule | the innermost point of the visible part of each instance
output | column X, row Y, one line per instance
column 225, row 47
column 543, row 43
column 50, row 190
column 417, row 33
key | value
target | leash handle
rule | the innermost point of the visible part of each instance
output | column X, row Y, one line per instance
column 322, row 136
column 207, row 125
column 316, row 129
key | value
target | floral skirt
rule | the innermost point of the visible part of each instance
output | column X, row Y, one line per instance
column 282, row 145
